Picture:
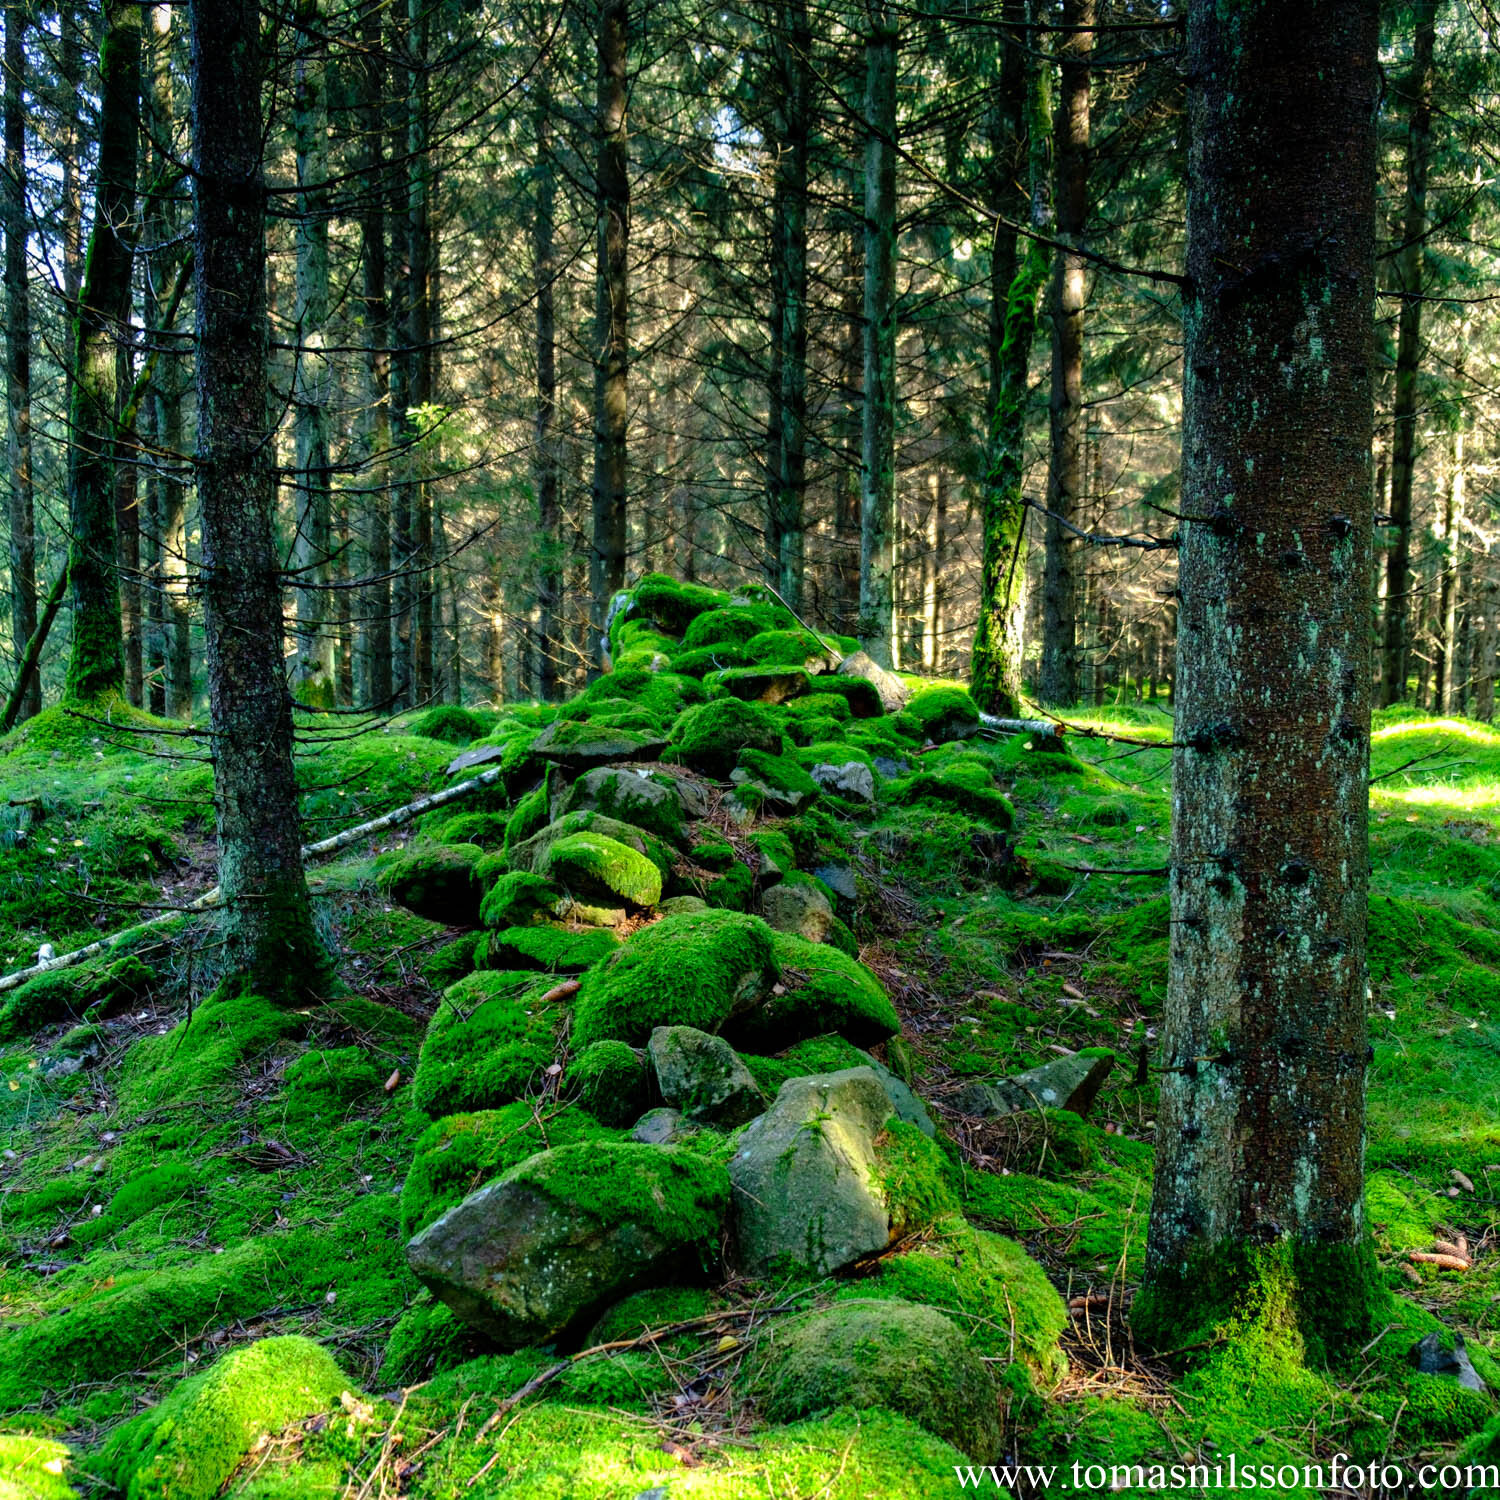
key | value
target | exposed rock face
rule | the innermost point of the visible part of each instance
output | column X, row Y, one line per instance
column 703, row 1077
column 806, row 1179
column 862, row 1353
column 894, row 693
column 533, row 1256
column 855, row 780
column 1064, row 1083
column 797, row 905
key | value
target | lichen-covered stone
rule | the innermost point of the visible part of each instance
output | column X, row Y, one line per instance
column 436, row 882
column 627, row 797
column 692, row 970
column 1062, row 1083
column 759, row 684
column 893, row 693
column 800, row 906
column 703, row 1077
column 852, row 779
column 536, row 1255
column 595, row 869
column 898, row 1355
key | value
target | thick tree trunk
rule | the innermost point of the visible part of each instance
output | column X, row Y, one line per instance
column 877, row 539
column 128, row 516
column 1410, row 263
column 311, row 386
column 791, row 42
column 1058, row 682
column 611, row 316
column 548, row 503
column 268, row 928
column 1019, row 191
column 375, row 416
column 23, row 613
column 97, row 663
column 1260, row 1129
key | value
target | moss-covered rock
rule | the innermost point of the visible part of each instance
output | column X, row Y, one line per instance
column 671, row 603
column 593, row 868
column 793, row 648
column 437, row 882
column 710, row 736
column 785, row 785
column 965, row 785
column 700, row 1076
column 862, row 696
column 536, row 1255
column 558, row 950
column 530, row 815
column 450, row 724
column 944, row 713
column 532, row 852
column 579, row 746
column 799, row 904
column 661, row 694
column 691, row 970
column 735, row 625
column 519, row 898
column 489, row 1039
column 453, row 960
column 329, row 1083
column 426, row 1340
column 187, row 1447
column 70, row 994
column 768, row 685
column 612, row 1082
column 823, row 990
column 627, row 798
column 906, row 1358
column 734, row 890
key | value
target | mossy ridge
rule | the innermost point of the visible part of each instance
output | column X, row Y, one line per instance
column 557, row 949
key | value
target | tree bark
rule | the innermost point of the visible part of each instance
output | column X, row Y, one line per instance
column 791, row 43
column 97, row 663
column 1410, row 265
column 878, row 541
column 312, row 677
column 1449, row 686
column 548, row 505
column 611, row 317
column 23, row 611
column 1258, row 1198
column 268, row 929
column 1017, row 274
column 417, row 305
column 1058, row 680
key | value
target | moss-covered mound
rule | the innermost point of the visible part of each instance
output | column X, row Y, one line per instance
column 593, row 868
column 437, row 882
column 696, row 969
column 710, row 736
column 823, row 990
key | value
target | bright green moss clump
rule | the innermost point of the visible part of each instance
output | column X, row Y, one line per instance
column 674, row 605
column 449, row 723
column 944, row 713
column 559, row 950
column 71, row 993
column 689, row 970
column 34, row 1468
column 327, row 1084
column 595, row 868
column 427, row 1339
column 528, row 817
column 966, row 785
column 490, row 1038
column 780, row 774
column 790, row 648
column 663, row 695
column 918, row 1179
column 711, row 736
column 519, row 898
column 826, row 990
column 187, row 1447
column 734, row 626
column 611, row 1082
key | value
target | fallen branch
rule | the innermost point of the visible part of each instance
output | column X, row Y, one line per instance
column 209, row 899
column 1043, row 727
column 32, row 654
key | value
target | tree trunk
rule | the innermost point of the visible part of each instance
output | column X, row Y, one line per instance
column 846, row 541
column 97, row 662
column 611, row 326
column 128, row 516
column 268, row 928
column 877, row 539
column 1019, row 190
column 417, row 306
column 1410, row 264
column 1258, row 1199
column 312, row 676
column 375, row 417
column 1058, row 682
column 1450, row 684
column 23, row 613
column 548, row 506
column 791, row 42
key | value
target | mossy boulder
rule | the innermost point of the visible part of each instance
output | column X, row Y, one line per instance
column 697, row 969
column 799, row 904
column 861, row 666
column 72, row 993
column 793, row 648
column 702, row 1077
column 663, row 695
column 557, row 949
column 965, row 785
column 490, row 1038
column 944, row 713
column 530, row 815
column 426, row 1340
column 897, row 1355
column 734, row 625
column 823, row 989
column 671, row 603
column 596, row 869
column 769, row 685
column 785, row 786
column 862, row 696
column 437, row 882
column 531, row 853
column 710, row 736
column 187, row 1447
column 627, row 797
column 449, row 963
column 612, row 1082
column 734, row 890
column 581, row 746
column 450, row 724
column 537, row 1255
column 519, row 898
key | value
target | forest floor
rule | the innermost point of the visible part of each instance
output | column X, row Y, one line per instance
column 168, row 1194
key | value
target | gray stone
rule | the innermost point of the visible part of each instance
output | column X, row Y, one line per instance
column 626, row 796
column 541, row 1251
column 894, row 694
column 906, row 1104
column 888, row 768
column 796, row 905
column 658, row 1127
column 1064, row 1083
column 480, row 755
column 854, row 779
column 580, row 747
column 1431, row 1357
column 805, row 1180
column 702, row 1076
column 675, row 905
column 840, row 880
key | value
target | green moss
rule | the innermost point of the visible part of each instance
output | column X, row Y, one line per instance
column 436, row 882
column 918, row 1180
column 708, row 659
column 711, row 735
column 593, row 867
column 684, row 1196
column 966, row 785
column 327, row 1084
column 661, row 694
column 34, row 1468
column 70, row 994
column 187, row 1447
column 672, row 604
column 790, row 648
column 780, row 773
column 631, row 799
column 819, row 1054
column 861, row 695
column 558, row 950
column 519, row 898
column 713, row 853
column 458, row 1155
column 732, row 891
column 943, row 713
column 987, row 1284
column 660, row 1307
column 158, row 1188
column 532, row 854
column 487, row 829
column 451, row 962
column 611, row 1082
column 825, row 990
column 638, row 643
column 449, row 723
column 833, row 753
column 488, row 1041
column 735, row 625
column 426, row 1340
column 818, row 704
column 766, row 685
column 689, row 970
